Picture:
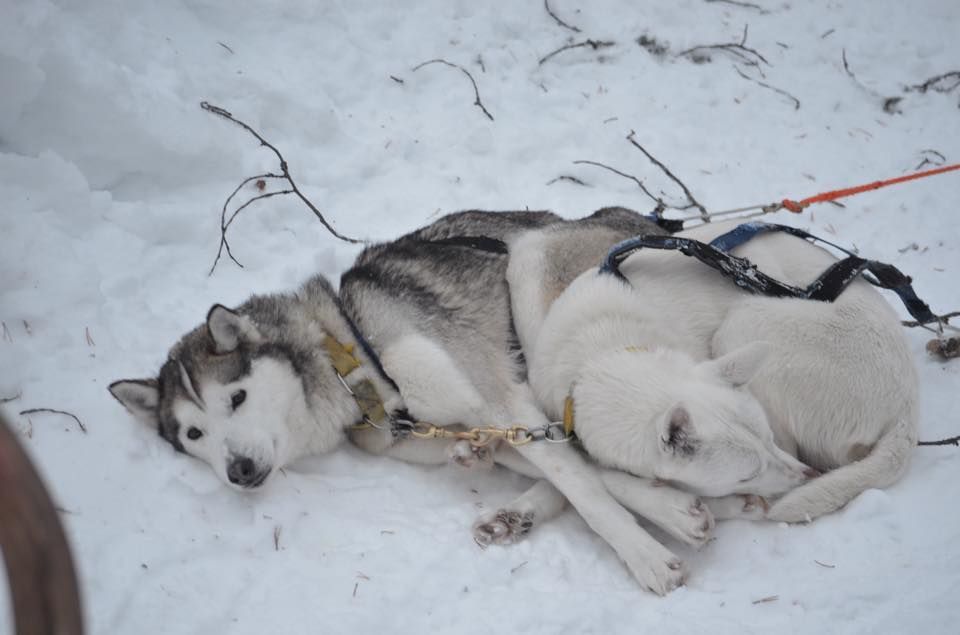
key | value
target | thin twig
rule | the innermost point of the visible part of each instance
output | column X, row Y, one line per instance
column 769, row 598
column 284, row 174
column 940, row 159
column 14, row 398
column 690, row 198
column 889, row 104
column 746, row 5
column 796, row 102
column 31, row 411
column 639, row 183
column 737, row 49
column 933, row 81
column 825, row 565
column 950, row 441
column 226, row 47
column 476, row 91
column 566, row 177
column 276, row 537
column 518, row 567
column 546, row 5
column 594, row 44
column 6, row 332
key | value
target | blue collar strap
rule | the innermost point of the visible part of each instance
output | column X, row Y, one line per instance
column 745, row 274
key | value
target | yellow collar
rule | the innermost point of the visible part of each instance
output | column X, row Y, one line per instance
column 568, row 416
column 363, row 392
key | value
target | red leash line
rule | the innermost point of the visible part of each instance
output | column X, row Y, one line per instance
column 798, row 206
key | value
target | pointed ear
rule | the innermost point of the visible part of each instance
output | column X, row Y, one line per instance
column 739, row 366
column 141, row 397
column 676, row 432
column 228, row 328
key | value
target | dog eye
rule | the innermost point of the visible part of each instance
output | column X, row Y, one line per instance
column 194, row 433
column 238, row 398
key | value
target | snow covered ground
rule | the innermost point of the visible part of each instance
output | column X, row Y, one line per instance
column 111, row 181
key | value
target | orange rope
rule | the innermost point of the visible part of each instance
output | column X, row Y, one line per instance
column 798, row 206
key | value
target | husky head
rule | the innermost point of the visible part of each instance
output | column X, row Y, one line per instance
column 660, row 414
column 247, row 391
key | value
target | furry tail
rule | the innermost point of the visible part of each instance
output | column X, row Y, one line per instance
column 885, row 465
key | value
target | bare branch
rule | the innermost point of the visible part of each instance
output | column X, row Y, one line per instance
column 655, row 199
column 594, row 44
column 284, row 174
column 935, row 83
column 889, row 104
column 796, row 102
column 950, row 441
column 476, row 91
column 931, row 157
column 226, row 47
column 31, row 411
column 14, row 398
column 739, row 50
column 546, row 5
column 690, row 198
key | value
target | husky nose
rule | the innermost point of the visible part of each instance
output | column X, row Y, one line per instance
column 241, row 471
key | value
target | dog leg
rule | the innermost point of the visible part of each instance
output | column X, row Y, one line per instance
column 513, row 522
column 652, row 564
column 681, row 514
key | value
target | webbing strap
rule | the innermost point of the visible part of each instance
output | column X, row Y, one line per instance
column 826, row 288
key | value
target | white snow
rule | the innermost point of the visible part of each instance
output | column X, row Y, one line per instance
column 111, row 182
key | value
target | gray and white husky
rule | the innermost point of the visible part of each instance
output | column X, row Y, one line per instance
column 682, row 377
column 421, row 329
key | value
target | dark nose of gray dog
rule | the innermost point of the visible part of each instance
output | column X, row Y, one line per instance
column 242, row 471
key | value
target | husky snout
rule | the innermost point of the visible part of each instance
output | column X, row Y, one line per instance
column 243, row 471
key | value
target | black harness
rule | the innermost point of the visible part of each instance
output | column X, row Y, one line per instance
column 745, row 274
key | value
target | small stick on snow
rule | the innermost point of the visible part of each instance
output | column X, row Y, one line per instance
column 546, row 5
column 594, row 44
column 284, row 175
column 796, row 102
column 226, row 47
column 518, row 567
column 6, row 332
column 566, row 177
column 938, row 160
column 14, row 398
column 86, row 331
column 693, row 202
column 935, row 83
column 769, row 598
column 745, row 5
column 951, row 441
column 824, row 564
column 356, row 585
column 476, row 91
column 31, row 411
column 276, row 537
column 739, row 50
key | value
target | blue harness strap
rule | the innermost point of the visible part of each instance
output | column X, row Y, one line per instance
column 826, row 288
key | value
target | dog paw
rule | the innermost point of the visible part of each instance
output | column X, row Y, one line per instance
column 465, row 454
column 660, row 575
column 742, row 506
column 503, row 528
column 695, row 524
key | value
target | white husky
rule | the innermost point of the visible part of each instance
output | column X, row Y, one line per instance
column 681, row 376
